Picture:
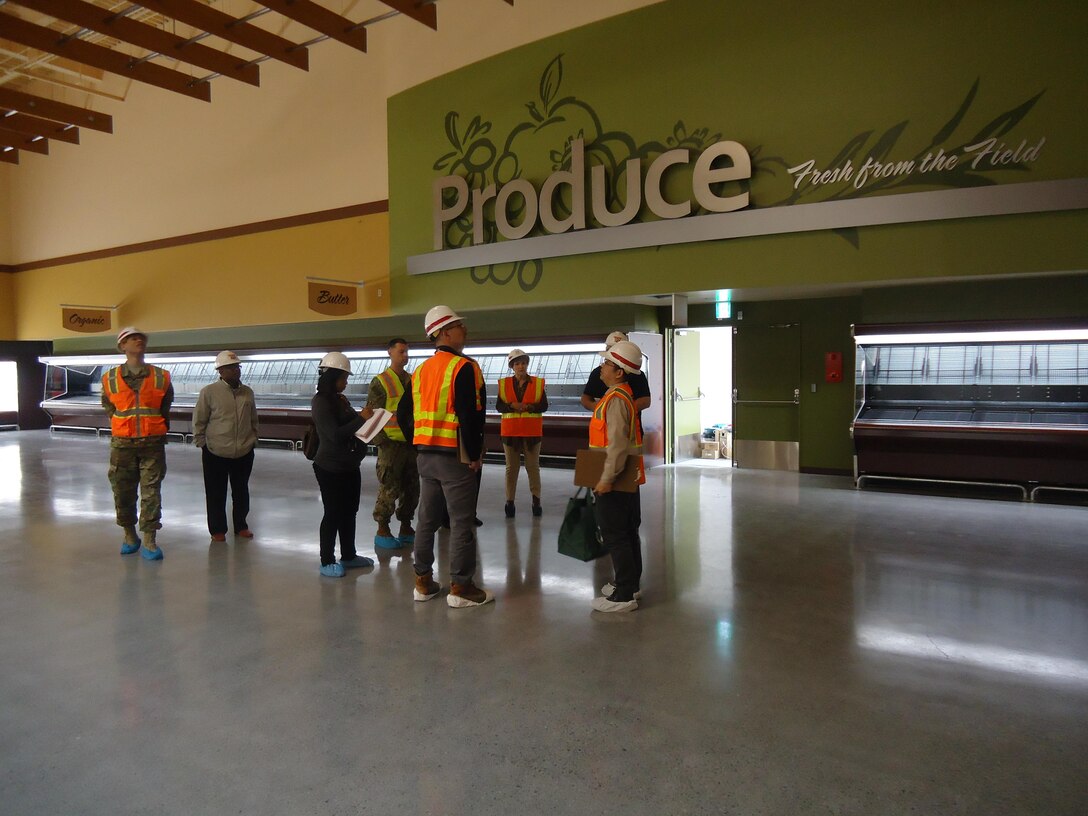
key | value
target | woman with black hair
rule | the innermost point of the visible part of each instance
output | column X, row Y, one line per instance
column 336, row 465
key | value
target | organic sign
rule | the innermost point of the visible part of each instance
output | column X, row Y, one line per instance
column 86, row 320
column 327, row 298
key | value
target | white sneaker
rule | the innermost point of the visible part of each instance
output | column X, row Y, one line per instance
column 608, row 589
column 604, row 605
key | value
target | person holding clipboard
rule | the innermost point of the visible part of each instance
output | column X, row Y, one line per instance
column 336, row 465
column 615, row 429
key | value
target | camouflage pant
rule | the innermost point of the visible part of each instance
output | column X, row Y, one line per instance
column 138, row 467
column 398, row 478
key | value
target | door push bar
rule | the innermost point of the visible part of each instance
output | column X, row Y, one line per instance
column 795, row 401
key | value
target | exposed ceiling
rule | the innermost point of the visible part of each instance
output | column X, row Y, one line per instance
column 54, row 53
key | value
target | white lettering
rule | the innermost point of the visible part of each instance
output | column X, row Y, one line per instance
column 601, row 213
column 444, row 214
column 540, row 207
column 655, row 195
column 479, row 199
column 523, row 188
column 576, row 178
column 705, row 175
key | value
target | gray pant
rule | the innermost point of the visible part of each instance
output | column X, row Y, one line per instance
column 446, row 484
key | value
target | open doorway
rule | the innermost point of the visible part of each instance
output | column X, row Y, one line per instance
column 702, row 396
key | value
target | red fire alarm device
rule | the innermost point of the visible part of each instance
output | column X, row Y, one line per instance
column 833, row 366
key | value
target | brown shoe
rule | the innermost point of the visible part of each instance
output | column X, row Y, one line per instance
column 463, row 595
column 219, row 537
column 246, row 533
column 426, row 587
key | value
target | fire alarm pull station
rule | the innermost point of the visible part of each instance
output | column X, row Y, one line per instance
column 833, row 366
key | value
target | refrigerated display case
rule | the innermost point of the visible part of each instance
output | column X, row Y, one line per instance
column 1002, row 404
column 284, row 382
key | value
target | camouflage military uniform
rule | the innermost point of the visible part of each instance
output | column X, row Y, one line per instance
column 398, row 476
column 138, row 465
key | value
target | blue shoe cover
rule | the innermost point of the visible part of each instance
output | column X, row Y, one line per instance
column 332, row 570
column 152, row 555
column 405, row 540
column 129, row 549
column 387, row 542
column 357, row 562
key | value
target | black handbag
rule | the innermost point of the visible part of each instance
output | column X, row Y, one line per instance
column 579, row 536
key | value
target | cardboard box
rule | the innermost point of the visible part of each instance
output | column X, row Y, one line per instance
column 589, row 463
column 711, row 453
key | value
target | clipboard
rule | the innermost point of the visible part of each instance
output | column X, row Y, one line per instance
column 589, row 463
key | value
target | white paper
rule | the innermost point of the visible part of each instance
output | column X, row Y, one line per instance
column 374, row 424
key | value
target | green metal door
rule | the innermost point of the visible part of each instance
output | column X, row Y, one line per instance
column 686, row 395
column 767, row 395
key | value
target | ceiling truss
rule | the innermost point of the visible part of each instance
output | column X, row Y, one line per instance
column 178, row 45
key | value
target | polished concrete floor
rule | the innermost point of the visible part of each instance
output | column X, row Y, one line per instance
column 801, row 648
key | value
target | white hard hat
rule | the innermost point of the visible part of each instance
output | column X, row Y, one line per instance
column 226, row 358
column 335, row 359
column 514, row 354
column 438, row 318
column 128, row 331
column 614, row 338
column 626, row 355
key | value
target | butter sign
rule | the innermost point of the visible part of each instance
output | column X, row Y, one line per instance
column 86, row 320
column 327, row 298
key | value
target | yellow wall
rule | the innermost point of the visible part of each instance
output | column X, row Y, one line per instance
column 5, row 213
column 303, row 142
column 7, row 306
column 251, row 280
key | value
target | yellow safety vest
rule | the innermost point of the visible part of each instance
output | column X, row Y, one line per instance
column 394, row 390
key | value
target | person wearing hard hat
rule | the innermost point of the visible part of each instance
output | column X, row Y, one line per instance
column 443, row 416
column 615, row 429
column 336, row 465
column 137, row 397
column 225, row 430
column 595, row 387
column 398, row 475
column 640, row 389
column 521, row 404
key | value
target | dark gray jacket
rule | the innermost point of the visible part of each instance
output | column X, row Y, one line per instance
column 339, row 449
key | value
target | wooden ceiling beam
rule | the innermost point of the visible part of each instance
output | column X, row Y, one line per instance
column 33, row 126
column 9, row 156
column 145, row 36
column 20, row 141
column 57, row 111
column 425, row 14
column 224, row 26
column 320, row 19
column 46, row 39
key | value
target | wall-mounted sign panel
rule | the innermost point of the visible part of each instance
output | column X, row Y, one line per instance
column 89, row 321
column 329, row 299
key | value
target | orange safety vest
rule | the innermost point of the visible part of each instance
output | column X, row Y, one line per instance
column 394, row 390
column 137, row 414
column 436, row 422
column 523, row 423
column 598, row 428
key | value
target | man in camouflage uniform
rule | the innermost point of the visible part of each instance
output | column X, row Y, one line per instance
column 398, row 477
column 137, row 398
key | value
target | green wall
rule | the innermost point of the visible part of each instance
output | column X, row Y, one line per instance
column 791, row 82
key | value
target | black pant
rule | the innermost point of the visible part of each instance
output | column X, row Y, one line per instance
column 217, row 472
column 618, row 516
column 340, row 498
